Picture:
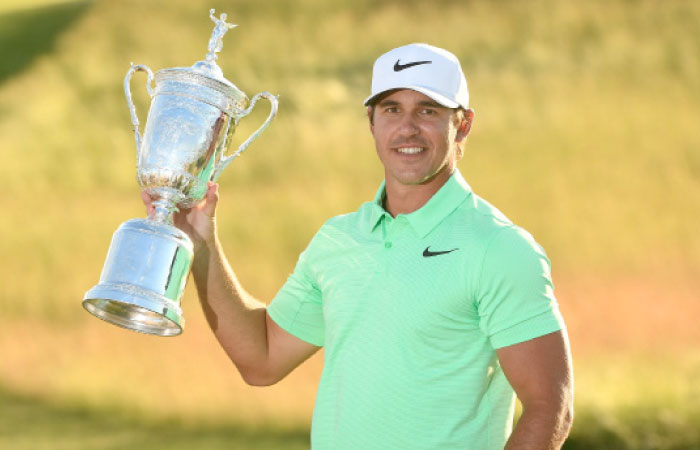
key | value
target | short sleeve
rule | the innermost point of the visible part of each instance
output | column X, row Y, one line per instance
column 297, row 307
column 515, row 296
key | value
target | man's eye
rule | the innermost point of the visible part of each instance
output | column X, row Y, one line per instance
column 428, row 112
column 392, row 109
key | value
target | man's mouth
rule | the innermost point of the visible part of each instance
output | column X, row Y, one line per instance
column 410, row 150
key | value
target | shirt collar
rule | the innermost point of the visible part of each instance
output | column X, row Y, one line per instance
column 427, row 217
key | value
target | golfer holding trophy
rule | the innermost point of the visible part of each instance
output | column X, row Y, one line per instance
column 193, row 116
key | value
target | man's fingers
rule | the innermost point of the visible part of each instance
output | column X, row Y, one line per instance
column 148, row 201
column 207, row 206
column 212, row 198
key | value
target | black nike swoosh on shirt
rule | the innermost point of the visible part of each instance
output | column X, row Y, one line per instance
column 427, row 253
column 398, row 67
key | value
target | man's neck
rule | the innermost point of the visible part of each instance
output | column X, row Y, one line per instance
column 405, row 199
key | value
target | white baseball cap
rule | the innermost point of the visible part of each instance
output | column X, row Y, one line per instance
column 432, row 71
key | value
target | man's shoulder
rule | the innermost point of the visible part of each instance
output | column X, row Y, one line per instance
column 495, row 231
column 342, row 229
column 481, row 216
column 351, row 221
column 483, row 224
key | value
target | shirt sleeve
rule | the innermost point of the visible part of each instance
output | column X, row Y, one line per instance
column 515, row 294
column 297, row 307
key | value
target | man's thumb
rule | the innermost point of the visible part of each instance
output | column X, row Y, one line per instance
column 212, row 198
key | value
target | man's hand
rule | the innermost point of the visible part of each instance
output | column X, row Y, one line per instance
column 199, row 222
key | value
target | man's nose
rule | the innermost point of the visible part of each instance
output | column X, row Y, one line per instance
column 409, row 125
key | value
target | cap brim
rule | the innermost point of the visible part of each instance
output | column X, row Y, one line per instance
column 441, row 99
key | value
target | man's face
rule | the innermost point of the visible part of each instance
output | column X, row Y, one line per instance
column 416, row 137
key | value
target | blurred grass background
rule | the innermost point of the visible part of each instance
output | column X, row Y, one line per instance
column 586, row 134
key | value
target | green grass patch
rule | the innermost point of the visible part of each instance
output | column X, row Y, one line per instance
column 622, row 403
column 26, row 34
column 637, row 401
column 29, row 423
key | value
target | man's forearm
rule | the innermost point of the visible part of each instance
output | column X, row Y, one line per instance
column 541, row 428
column 235, row 317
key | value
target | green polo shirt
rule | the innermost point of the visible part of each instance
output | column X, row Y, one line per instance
column 410, row 311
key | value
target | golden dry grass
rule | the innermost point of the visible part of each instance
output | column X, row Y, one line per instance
column 189, row 378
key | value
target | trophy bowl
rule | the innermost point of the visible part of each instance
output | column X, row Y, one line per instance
column 193, row 115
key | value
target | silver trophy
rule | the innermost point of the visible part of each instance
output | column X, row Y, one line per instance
column 193, row 115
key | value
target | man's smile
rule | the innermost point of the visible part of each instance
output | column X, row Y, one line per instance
column 410, row 150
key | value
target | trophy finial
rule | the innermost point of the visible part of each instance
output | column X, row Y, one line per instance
column 216, row 40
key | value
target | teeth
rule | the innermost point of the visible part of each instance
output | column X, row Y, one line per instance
column 410, row 150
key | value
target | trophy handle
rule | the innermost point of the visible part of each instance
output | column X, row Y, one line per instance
column 273, row 112
column 132, row 109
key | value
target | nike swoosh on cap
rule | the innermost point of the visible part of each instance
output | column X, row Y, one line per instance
column 398, row 67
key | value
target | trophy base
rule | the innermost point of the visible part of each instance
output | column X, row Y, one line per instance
column 143, row 278
column 135, row 309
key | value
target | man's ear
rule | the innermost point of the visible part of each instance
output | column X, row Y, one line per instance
column 371, row 121
column 465, row 125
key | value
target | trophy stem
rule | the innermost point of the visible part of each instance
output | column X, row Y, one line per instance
column 164, row 209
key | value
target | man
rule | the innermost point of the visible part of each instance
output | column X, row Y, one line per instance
column 432, row 307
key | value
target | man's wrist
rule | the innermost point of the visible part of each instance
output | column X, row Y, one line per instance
column 205, row 245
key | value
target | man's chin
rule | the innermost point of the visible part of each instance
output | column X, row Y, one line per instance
column 420, row 179
column 414, row 179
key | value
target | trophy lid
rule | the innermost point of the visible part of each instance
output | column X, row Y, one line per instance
column 207, row 72
column 208, row 67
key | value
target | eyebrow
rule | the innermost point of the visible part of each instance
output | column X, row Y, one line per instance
column 430, row 103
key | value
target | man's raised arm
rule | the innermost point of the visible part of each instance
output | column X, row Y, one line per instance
column 263, row 352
